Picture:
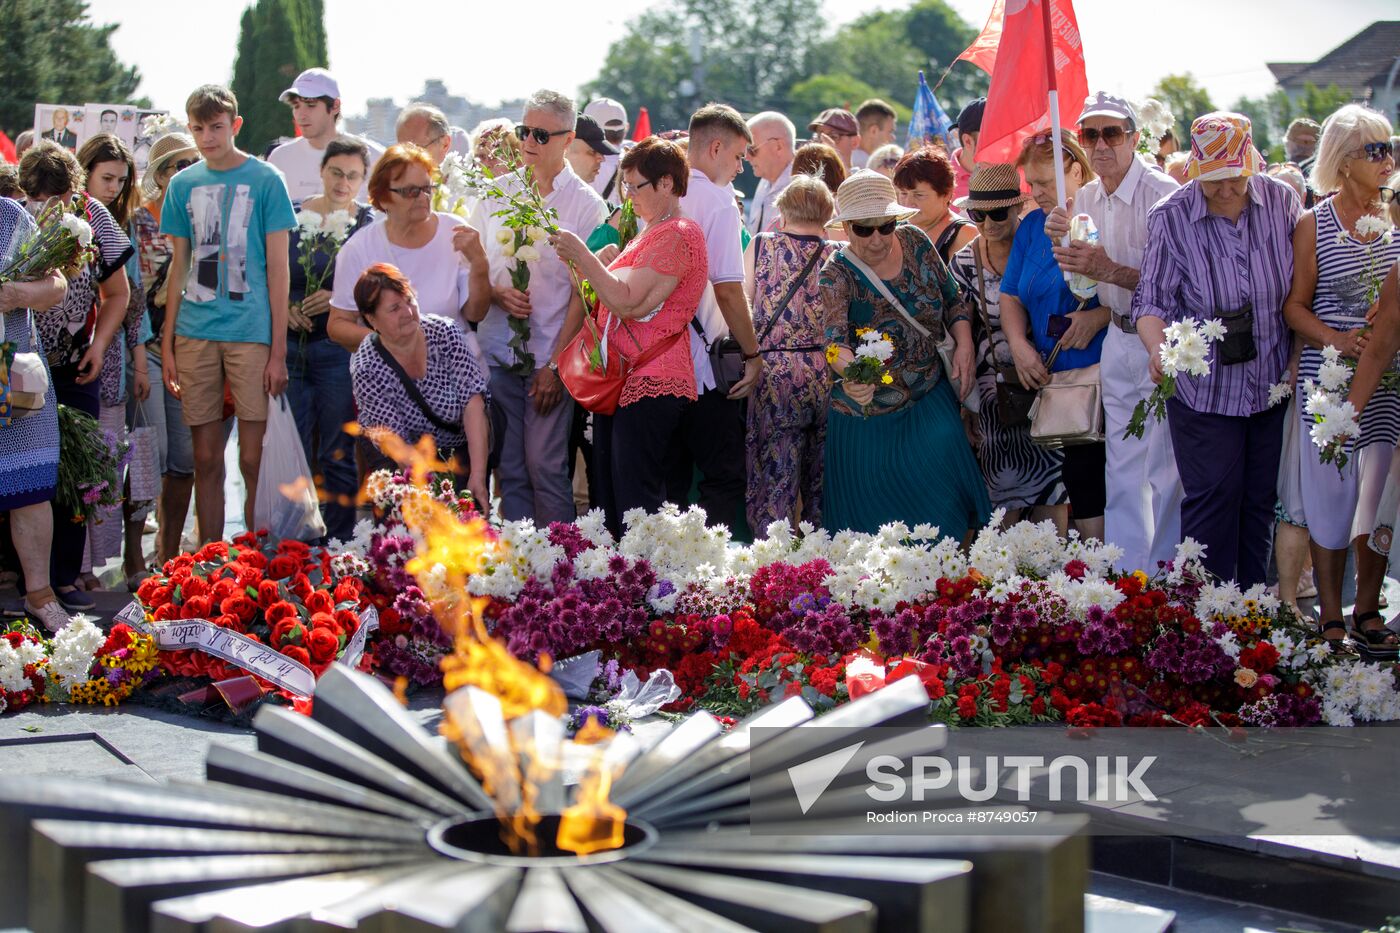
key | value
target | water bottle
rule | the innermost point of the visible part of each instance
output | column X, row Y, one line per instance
column 1082, row 228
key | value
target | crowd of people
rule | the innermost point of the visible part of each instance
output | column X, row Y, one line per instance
column 332, row 276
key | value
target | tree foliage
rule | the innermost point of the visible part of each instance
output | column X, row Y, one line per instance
column 277, row 40
column 778, row 55
column 1271, row 115
column 1185, row 98
column 51, row 52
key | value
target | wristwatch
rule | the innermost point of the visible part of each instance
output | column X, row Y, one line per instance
column 554, row 366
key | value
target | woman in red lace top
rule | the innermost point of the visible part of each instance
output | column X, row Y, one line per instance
column 647, row 297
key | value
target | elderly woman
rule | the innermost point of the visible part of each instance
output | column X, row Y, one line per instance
column 896, row 451
column 1035, row 300
column 885, row 159
column 425, row 246
column 1022, row 477
column 787, row 410
column 170, row 154
column 924, row 178
column 646, row 301
column 1339, row 258
column 415, row 376
column 318, row 369
column 29, row 447
column 75, row 339
column 1219, row 248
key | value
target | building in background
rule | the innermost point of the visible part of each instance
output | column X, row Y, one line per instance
column 1367, row 66
column 377, row 122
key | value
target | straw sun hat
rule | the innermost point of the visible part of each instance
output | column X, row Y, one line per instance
column 993, row 185
column 168, row 148
column 867, row 195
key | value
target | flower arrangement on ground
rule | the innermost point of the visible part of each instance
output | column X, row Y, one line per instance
column 77, row 665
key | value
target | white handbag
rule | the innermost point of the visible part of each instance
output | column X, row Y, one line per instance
column 24, row 381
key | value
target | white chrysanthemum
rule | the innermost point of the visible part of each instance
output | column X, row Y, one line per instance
column 337, row 225
column 1280, row 392
column 13, row 661
column 1370, row 225
column 79, row 228
column 309, row 223
column 72, row 650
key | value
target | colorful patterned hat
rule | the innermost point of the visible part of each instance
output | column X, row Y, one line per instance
column 1222, row 147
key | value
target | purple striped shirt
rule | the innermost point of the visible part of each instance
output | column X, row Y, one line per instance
column 1198, row 263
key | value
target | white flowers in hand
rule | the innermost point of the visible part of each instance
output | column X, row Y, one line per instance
column 1279, row 393
column 504, row 236
column 1374, row 225
column 1186, row 346
column 1334, row 418
column 157, row 125
column 335, row 226
column 527, row 253
column 79, row 228
column 875, row 346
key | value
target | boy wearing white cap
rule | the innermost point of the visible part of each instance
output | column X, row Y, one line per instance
column 1143, row 510
column 315, row 101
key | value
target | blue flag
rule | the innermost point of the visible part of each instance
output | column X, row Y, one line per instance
column 929, row 121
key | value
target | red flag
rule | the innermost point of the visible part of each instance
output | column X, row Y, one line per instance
column 983, row 50
column 1017, row 102
column 7, row 148
column 643, row 129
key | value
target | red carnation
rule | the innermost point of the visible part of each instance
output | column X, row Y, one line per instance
column 268, row 593
column 323, row 645
column 214, row 550
column 194, row 587
column 347, row 619
column 349, row 590
column 298, row 654
column 224, row 589
column 278, row 611
column 254, row 559
column 247, row 576
column 967, row 707
column 166, row 612
column 197, row 607
column 298, row 549
column 147, row 590
column 240, row 607
column 1038, row 706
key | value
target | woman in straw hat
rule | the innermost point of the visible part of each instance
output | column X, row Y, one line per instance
column 1023, row 478
column 175, row 452
column 1342, row 249
column 895, row 451
column 1218, row 248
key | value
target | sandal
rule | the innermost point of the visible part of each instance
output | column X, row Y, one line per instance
column 1379, row 642
column 1338, row 645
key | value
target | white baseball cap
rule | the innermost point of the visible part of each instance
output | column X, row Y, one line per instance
column 607, row 113
column 1103, row 104
column 313, row 82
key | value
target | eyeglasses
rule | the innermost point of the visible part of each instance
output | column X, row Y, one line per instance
column 355, row 177
column 996, row 213
column 409, row 192
column 1114, row 136
column 542, row 136
column 1378, row 152
column 885, row 229
column 638, row 187
column 184, row 164
column 1387, row 195
column 752, row 150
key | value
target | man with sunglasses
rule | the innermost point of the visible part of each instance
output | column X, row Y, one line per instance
column 770, row 156
column 537, row 412
column 1142, row 514
column 839, row 130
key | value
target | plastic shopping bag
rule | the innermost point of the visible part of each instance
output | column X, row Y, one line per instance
column 286, row 500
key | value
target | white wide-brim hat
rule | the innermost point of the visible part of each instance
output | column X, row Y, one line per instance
column 868, row 195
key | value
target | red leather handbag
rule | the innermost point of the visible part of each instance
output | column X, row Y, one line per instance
column 594, row 373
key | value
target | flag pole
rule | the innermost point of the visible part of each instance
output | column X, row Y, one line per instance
column 1054, row 107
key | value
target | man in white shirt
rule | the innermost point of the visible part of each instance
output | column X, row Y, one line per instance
column 711, row 432
column 770, row 156
column 612, row 117
column 876, row 120
column 315, row 101
column 525, row 385
column 427, row 128
column 1143, row 513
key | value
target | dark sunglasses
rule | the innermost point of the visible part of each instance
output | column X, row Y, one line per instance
column 1112, row 135
column 885, row 229
column 184, row 164
column 542, row 136
column 996, row 213
column 409, row 192
column 1378, row 152
column 1387, row 195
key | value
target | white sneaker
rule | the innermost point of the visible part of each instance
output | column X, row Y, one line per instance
column 51, row 615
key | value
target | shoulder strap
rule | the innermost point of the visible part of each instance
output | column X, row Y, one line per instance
column 797, row 283
column 878, row 284
column 411, row 388
column 982, row 290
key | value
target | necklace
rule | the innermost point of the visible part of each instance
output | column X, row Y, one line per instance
column 1349, row 225
column 669, row 214
column 987, row 258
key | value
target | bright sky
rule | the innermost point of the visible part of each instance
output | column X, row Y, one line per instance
column 382, row 49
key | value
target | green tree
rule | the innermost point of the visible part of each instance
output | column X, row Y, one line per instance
column 51, row 52
column 278, row 39
column 937, row 31
column 646, row 68
column 808, row 98
column 1186, row 99
column 1260, row 112
column 1320, row 103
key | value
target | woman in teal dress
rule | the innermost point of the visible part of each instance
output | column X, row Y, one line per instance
column 897, row 452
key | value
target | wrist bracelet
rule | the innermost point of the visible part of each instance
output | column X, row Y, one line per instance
column 750, row 356
column 959, row 317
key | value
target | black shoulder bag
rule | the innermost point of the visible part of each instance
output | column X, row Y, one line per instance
column 787, row 299
column 412, row 389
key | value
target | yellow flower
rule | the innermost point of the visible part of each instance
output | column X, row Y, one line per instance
column 1141, row 577
column 862, row 331
column 832, row 352
column 887, row 379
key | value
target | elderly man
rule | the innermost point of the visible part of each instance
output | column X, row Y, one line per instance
column 589, row 149
column 876, row 121
column 1143, row 511
column 770, row 156
column 426, row 127
column 711, row 433
column 1300, row 143
column 612, row 117
column 839, row 130
column 523, row 332
column 314, row 99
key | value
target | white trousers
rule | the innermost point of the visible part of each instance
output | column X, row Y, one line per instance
column 1143, row 511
